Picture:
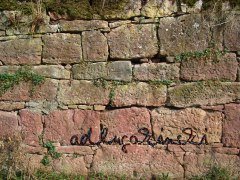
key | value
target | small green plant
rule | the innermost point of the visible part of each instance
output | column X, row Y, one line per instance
column 8, row 81
column 51, row 153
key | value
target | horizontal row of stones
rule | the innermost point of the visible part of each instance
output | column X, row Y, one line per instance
column 140, row 161
column 60, row 125
column 170, row 37
column 82, row 92
column 225, row 68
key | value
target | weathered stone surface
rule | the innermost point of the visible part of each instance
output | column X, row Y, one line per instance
column 118, row 23
column 70, row 165
column 170, row 123
column 79, row 150
column 197, row 164
column 156, row 72
column 141, row 93
column 203, row 93
column 89, row 71
column 8, row 124
column 95, row 47
column 62, row 48
column 81, row 25
column 32, row 127
column 231, row 125
column 126, row 121
column 139, row 162
column 52, row 71
column 119, row 71
column 221, row 68
column 179, row 35
column 11, row 106
column 21, row 51
column 25, row 91
column 155, row 8
column 82, row 92
column 133, row 41
column 232, row 34
column 8, row 69
column 60, row 126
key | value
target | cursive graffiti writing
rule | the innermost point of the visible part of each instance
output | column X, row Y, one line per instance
column 148, row 138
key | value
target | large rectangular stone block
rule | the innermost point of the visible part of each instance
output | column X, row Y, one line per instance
column 133, row 41
column 170, row 123
column 186, row 33
column 203, row 93
column 21, row 51
column 62, row 48
column 141, row 94
column 82, row 92
column 8, row 124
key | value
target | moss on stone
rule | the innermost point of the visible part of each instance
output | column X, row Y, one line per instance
column 13, row 5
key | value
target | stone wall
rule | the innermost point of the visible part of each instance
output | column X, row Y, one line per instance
column 148, row 68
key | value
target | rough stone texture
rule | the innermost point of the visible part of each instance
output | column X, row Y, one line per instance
column 81, row 25
column 60, row 126
column 8, row 124
column 155, row 8
column 62, row 48
column 70, row 165
column 197, row 164
column 170, row 123
column 95, row 47
column 156, row 72
column 231, row 125
column 8, row 69
column 119, row 70
column 25, row 91
column 32, row 127
column 141, row 93
column 21, row 51
column 79, row 150
column 139, row 162
column 232, row 34
column 82, row 92
column 11, row 106
column 179, row 35
column 222, row 68
column 126, row 121
column 133, row 41
column 203, row 93
column 52, row 71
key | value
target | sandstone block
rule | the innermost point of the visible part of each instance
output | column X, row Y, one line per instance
column 141, row 93
column 82, row 92
column 52, row 71
column 8, row 124
column 32, row 126
column 170, row 123
column 155, row 8
column 80, row 150
column 126, row 121
column 204, row 93
column 11, row 106
column 139, row 162
column 81, row 25
column 231, row 34
column 60, row 126
column 156, row 72
column 62, row 48
column 25, row 91
column 95, row 47
column 222, row 68
column 231, row 133
column 179, row 35
column 21, row 51
column 133, row 41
